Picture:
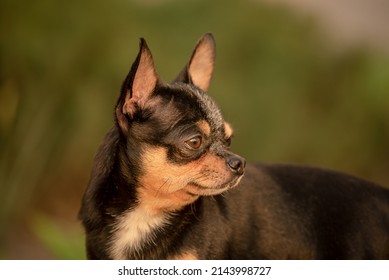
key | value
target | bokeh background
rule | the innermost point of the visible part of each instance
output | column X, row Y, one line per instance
column 300, row 81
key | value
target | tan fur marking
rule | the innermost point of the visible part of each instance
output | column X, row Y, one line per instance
column 168, row 187
column 188, row 255
column 228, row 130
column 204, row 127
column 159, row 202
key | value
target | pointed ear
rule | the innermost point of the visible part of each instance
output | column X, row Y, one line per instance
column 138, row 86
column 200, row 67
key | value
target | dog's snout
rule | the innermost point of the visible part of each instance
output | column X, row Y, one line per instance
column 236, row 164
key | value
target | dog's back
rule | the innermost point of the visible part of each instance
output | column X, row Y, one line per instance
column 301, row 213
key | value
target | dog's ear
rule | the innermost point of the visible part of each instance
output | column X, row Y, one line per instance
column 138, row 86
column 200, row 67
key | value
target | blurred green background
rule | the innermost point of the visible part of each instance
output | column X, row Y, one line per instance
column 293, row 93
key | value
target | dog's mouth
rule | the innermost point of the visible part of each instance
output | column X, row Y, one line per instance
column 195, row 188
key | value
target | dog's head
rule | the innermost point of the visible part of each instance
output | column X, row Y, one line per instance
column 174, row 132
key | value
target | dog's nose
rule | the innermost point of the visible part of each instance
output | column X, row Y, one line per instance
column 236, row 164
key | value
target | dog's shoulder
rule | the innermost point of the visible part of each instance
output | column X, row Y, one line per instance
column 103, row 165
column 106, row 154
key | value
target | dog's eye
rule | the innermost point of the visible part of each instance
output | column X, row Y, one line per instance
column 194, row 143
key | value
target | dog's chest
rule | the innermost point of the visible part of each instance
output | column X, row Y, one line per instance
column 135, row 229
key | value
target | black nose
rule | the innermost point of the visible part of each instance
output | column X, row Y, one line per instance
column 236, row 164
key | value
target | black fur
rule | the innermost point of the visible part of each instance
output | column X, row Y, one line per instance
column 275, row 212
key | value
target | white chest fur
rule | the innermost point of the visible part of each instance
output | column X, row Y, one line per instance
column 133, row 229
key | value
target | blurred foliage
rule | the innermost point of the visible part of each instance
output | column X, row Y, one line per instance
column 290, row 95
column 62, row 243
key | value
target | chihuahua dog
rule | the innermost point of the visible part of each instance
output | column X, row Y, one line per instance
column 165, row 185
